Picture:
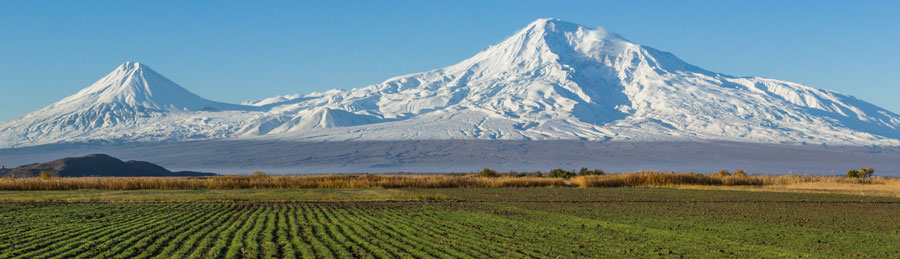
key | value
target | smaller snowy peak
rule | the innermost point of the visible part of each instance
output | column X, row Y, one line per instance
column 273, row 100
column 330, row 118
column 136, row 85
column 315, row 118
column 130, row 99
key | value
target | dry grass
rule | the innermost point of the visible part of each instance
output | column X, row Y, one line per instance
column 889, row 188
column 651, row 179
column 655, row 179
column 273, row 182
column 877, row 186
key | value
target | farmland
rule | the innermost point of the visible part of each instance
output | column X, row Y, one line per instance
column 449, row 223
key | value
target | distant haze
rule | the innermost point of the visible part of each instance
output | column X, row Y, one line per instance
column 280, row 157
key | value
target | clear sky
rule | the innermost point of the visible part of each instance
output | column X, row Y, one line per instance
column 234, row 51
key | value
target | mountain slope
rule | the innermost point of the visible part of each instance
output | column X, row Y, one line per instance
column 558, row 80
column 550, row 80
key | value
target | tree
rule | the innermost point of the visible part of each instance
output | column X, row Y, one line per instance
column 260, row 174
column 487, row 172
column 723, row 173
column 740, row 172
column 861, row 173
column 866, row 172
column 584, row 171
column 538, row 174
column 560, row 173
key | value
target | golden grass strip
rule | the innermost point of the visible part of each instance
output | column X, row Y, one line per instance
column 656, row 179
column 635, row 179
column 273, row 182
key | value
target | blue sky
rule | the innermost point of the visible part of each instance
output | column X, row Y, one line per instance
column 234, row 51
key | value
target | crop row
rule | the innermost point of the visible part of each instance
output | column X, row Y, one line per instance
column 248, row 231
column 644, row 223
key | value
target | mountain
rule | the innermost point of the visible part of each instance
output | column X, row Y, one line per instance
column 127, row 104
column 551, row 80
column 558, row 80
column 94, row 165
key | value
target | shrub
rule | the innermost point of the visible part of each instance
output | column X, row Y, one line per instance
column 853, row 174
column 487, row 172
column 866, row 172
column 538, row 174
column 584, row 171
column 560, row 173
column 740, row 172
column 45, row 175
column 723, row 173
column 260, row 174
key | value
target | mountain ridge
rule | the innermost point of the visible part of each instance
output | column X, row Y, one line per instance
column 550, row 80
column 95, row 165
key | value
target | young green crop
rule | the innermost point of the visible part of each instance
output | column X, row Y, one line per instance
column 474, row 223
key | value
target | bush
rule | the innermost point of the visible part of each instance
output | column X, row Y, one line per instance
column 866, row 172
column 740, row 172
column 861, row 173
column 560, row 173
column 723, row 173
column 584, row 171
column 487, row 172
column 538, row 174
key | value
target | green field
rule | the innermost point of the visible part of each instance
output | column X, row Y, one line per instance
column 448, row 223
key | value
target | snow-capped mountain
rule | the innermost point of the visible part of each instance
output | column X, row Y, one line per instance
column 130, row 103
column 551, row 80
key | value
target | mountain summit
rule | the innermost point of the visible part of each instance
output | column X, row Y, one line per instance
column 551, row 80
column 121, row 106
column 137, row 86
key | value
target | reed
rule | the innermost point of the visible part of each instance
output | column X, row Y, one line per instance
column 656, row 179
column 274, row 182
column 262, row 181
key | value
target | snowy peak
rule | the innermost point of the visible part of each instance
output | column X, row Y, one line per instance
column 551, row 29
column 548, row 40
column 551, row 42
column 133, row 84
column 117, row 106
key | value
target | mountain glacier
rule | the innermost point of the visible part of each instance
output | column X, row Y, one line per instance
column 551, row 80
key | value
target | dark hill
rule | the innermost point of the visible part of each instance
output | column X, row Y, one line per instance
column 95, row 165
